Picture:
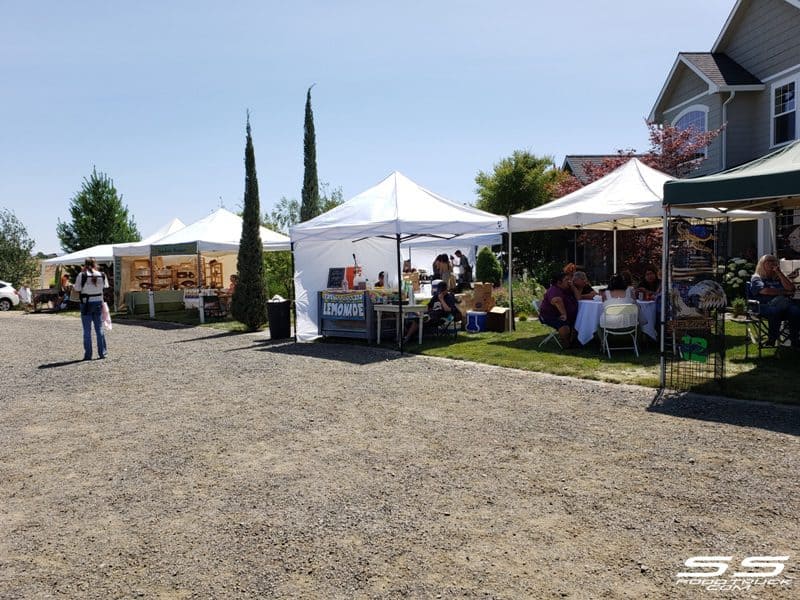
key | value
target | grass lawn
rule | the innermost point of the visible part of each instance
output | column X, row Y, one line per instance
column 775, row 377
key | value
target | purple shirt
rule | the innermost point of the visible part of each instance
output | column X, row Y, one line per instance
column 548, row 311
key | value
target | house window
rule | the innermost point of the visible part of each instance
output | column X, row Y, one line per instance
column 695, row 117
column 784, row 113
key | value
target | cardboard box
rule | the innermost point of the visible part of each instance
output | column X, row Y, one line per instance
column 482, row 297
column 497, row 319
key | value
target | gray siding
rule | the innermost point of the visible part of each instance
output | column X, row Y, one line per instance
column 748, row 128
column 685, row 84
column 765, row 37
column 765, row 40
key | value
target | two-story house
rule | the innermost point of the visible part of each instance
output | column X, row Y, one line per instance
column 748, row 82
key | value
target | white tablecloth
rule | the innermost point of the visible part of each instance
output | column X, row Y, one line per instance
column 589, row 312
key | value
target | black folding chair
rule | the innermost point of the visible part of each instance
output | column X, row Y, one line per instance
column 757, row 326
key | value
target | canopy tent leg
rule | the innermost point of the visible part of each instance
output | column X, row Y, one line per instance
column 615, row 250
column 665, row 288
column 294, row 292
column 510, row 279
column 401, row 333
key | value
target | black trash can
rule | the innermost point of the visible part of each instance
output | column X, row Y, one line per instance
column 279, row 321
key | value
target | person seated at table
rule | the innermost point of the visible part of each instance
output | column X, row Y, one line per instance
column 380, row 282
column 627, row 277
column 559, row 308
column 650, row 285
column 583, row 290
column 442, row 305
column 66, row 290
column 618, row 291
column 773, row 290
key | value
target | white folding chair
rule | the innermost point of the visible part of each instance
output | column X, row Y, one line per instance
column 620, row 319
column 553, row 334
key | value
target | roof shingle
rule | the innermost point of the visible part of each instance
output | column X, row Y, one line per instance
column 721, row 69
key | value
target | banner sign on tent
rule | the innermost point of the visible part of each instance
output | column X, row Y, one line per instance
column 117, row 272
column 343, row 306
column 174, row 249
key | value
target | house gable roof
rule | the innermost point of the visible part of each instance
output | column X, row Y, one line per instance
column 732, row 18
column 718, row 70
column 576, row 163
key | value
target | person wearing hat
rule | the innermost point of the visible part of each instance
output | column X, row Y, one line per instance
column 439, row 307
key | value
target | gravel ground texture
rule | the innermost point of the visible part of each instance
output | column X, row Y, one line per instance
column 194, row 463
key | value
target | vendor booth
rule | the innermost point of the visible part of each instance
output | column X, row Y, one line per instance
column 105, row 254
column 356, row 240
column 630, row 197
column 195, row 261
column 772, row 183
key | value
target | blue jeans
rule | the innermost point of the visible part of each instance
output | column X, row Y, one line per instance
column 91, row 312
column 777, row 312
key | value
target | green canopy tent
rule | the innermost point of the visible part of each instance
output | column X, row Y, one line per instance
column 771, row 182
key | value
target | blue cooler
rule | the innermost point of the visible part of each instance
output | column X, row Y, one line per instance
column 476, row 321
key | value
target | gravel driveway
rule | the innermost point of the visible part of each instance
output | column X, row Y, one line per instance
column 194, row 463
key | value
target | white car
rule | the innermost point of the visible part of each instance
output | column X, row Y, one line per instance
column 8, row 296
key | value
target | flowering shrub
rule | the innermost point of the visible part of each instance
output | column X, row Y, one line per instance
column 734, row 274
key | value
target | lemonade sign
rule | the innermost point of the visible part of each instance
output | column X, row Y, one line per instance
column 343, row 306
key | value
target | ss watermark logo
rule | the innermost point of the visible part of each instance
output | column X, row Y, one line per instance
column 722, row 573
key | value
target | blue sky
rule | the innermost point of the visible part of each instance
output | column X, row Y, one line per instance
column 154, row 94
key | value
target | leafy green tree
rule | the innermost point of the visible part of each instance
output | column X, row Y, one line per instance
column 249, row 302
column 285, row 214
column 518, row 183
column 287, row 211
column 16, row 263
column 98, row 216
column 487, row 267
column 330, row 198
column 310, row 206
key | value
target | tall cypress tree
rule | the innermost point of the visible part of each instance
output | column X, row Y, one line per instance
column 310, row 206
column 249, row 302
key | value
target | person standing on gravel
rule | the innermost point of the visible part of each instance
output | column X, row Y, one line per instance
column 90, row 283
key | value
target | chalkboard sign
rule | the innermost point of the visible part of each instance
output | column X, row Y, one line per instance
column 335, row 277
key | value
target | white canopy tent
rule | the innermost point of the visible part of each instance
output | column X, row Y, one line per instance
column 103, row 253
column 142, row 248
column 216, row 236
column 372, row 226
column 219, row 232
column 630, row 197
